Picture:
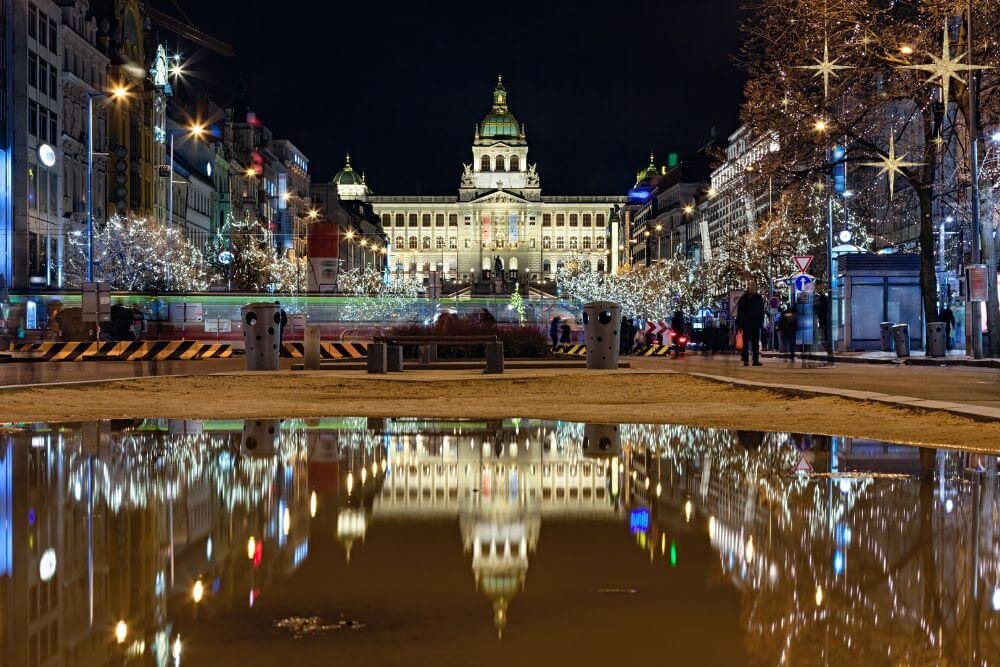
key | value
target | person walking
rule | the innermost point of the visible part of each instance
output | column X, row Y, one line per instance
column 708, row 336
column 554, row 330
column 625, row 336
column 567, row 333
column 750, row 311
column 788, row 325
column 948, row 317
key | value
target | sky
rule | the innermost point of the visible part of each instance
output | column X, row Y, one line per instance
column 401, row 85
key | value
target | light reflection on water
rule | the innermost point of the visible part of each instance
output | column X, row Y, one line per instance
column 218, row 542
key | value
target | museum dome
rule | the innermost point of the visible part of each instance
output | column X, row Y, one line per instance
column 500, row 122
column 347, row 175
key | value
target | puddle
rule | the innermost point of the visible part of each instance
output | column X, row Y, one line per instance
column 386, row 541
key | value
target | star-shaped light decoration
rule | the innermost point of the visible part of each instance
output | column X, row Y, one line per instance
column 945, row 68
column 892, row 164
column 826, row 67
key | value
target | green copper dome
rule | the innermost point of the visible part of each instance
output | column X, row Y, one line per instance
column 347, row 175
column 499, row 122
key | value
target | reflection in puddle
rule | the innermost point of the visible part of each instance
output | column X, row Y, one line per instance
column 221, row 541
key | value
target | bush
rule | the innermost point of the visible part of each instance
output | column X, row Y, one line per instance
column 519, row 341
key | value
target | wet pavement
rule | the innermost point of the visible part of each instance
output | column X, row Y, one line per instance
column 384, row 542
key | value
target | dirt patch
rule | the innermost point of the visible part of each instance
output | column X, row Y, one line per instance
column 574, row 395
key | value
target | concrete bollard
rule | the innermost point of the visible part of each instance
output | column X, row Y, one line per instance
column 494, row 358
column 262, row 335
column 311, row 347
column 377, row 359
column 394, row 356
column 601, row 440
column 601, row 324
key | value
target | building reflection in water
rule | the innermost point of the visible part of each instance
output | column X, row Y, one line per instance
column 115, row 534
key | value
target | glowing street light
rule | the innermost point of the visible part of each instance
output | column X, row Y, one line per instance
column 251, row 547
column 820, row 125
column 312, row 214
column 121, row 632
column 198, row 591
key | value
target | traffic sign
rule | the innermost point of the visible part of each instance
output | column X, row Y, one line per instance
column 803, row 262
column 804, row 282
column 803, row 465
column 774, row 303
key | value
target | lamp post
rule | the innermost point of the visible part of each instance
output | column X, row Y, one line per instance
column 196, row 131
column 118, row 93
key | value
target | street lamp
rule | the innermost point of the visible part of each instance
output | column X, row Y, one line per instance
column 118, row 93
column 197, row 130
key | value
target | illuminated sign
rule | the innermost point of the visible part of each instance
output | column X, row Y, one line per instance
column 638, row 520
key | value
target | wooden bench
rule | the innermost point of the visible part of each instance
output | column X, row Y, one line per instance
column 427, row 345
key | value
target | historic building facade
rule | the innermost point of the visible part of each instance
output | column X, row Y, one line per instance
column 499, row 227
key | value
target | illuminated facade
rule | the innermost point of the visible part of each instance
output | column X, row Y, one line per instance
column 498, row 219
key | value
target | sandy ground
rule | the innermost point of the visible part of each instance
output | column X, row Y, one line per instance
column 576, row 395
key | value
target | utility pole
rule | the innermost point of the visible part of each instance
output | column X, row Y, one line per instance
column 975, row 318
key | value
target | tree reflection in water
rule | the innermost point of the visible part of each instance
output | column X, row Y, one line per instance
column 884, row 554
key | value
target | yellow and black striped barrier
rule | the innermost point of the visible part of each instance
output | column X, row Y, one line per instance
column 581, row 350
column 574, row 350
column 162, row 350
column 655, row 351
column 349, row 350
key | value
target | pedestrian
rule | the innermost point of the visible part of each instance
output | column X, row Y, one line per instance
column 821, row 309
column 677, row 323
column 554, row 330
column 750, row 311
column 567, row 333
column 709, row 334
column 788, row 325
column 722, row 338
column 624, row 337
column 948, row 317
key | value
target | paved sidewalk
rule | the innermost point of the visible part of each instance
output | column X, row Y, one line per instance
column 970, row 391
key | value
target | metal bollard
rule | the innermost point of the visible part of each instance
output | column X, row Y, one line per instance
column 601, row 440
column 494, row 358
column 901, row 336
column 311, row 347
column 262, row 335
column 261, row 437
column 601, row 323
column 377, row 359
column 937, row 341
column 885, row 332
column 394, row 356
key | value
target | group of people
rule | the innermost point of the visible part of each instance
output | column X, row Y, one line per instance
column 560, row 331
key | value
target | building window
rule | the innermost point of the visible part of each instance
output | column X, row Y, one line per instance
column 546, row 243
column 560, row 220
column 400, row 219
column 453, row 220
column 515, row 163
column 426, row 220
column 32, row 21
column 600, row 266
column 600, row 219
column 600, row 243
column 586, row 220
column 439, row 243
column 439, row 220
column 426, row 243
column 547, row 266
column 413, row 243
column 399, row 242
column 466, row 244
column 32, row 70
column 586, row 243
column 574, row 244
column 546, row 220
column 386, row 220
column 532, row 243
column 484, row 163
column 33, row 117
column 574, row 220
column 412, row 220
column 560, row 243
column 498, row 163
column 453, row 243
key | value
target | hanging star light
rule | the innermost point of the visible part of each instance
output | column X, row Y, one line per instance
column 945, row 68
column 892, row 164
column 826, row 67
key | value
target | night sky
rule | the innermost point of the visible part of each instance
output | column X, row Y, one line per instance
column 401, row 85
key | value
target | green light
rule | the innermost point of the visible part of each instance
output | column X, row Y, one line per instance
column 673, row 554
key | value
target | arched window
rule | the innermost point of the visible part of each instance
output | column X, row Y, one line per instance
column 413, row 243
column 427, row 267
column 515, row 163
column 600, row 266
column 546, row 243
column 586, row 242
column 498, row 163
column 547, row 266
column 560, row 243
column 439, row 243
column 484, row 163
column 413, row 267
column 560, row 265
column 573, row 243
column 600, row 243
column 512, row 264
column 426, row 243
column 399, row 242
column 586, row 265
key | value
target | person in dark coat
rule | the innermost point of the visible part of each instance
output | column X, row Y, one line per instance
column 677, row 323
column 709, row 335
column 948, row 317
column 788, row 325
column 567, row 333
column 554, row 330
column 750, row 310
column 625, row 336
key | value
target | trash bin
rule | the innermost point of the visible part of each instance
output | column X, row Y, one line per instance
column 936, row 339
column 886, row 331
column 262, row 335
column 602, row 440
column 601, row 323
column 261, row 437
column 901, row 337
